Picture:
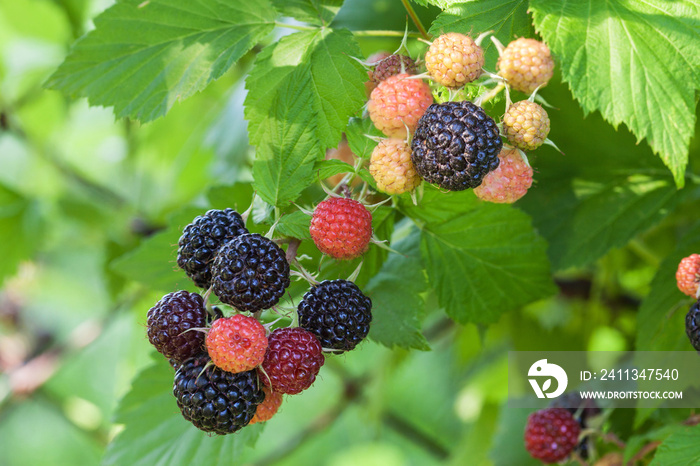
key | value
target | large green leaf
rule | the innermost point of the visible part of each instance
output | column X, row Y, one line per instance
column 142, row 57
column 507, row 20
column 661, row 321
column 680, row 449
column 605, row 191
column 583, row 218
column 486, row 261
column 19, row 230
column 635, row 62
column 155, row 433
column 302, row 90
column 435, row 206
column 319, row 12
column 397, row 307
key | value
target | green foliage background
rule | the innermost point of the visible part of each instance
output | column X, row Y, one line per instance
column 208, row 101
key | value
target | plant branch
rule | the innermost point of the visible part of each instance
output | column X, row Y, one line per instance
column 415, row 19
column 385, row 33
column 644, row 451
column 415, row 436
column 366, row 33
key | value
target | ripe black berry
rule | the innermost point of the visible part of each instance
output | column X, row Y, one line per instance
column 250, row 273
column 455, row 145
column 692, row 325
column 214, row 400
column 169, row 320
column 202, row 238
column 337, row 313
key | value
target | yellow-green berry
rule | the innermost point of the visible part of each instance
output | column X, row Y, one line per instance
column 526, row 125
column 391, row 167
column 454, row 59
column 526, row 64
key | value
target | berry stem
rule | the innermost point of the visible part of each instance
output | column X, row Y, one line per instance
column 481, row 100
column 411, row 12
column 292, row 249
column 207, row 304
column 367, row 33
column 385, row 33
column 363, row 192
column 644, row 451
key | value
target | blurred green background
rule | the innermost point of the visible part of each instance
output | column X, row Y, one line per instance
column 80, row 191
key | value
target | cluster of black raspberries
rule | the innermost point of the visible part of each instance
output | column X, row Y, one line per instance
column 231, row 371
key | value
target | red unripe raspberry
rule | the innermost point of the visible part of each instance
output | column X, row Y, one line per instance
column 398, row 102
column 292, row 361
column 391, row 167
column 372, row 61
column 393, row 65
column 688, row 275
column 267, row 408
column 236, row 344
column 454, row 59
column 377, row 57
column 526, row 64
column 551, row 434
column 507, row 183
column 341, row 228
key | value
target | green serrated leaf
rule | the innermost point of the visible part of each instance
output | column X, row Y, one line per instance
column 507, row 20
column 302, row 90
column 359, row 143
column 598, row 196
column 333, row 81
column 326, row 168
column 635, row 62
column 284, row 164
column 661, row 320
column 397, row 307
column 679, row 449
column 295, row 225
column 142, row 57
column 153, row 262
column 585, row 218
column 155, row 433
column 485, row 262
column 20, row 229
column 319, row 12
column 435, row 206
column 636, row 442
